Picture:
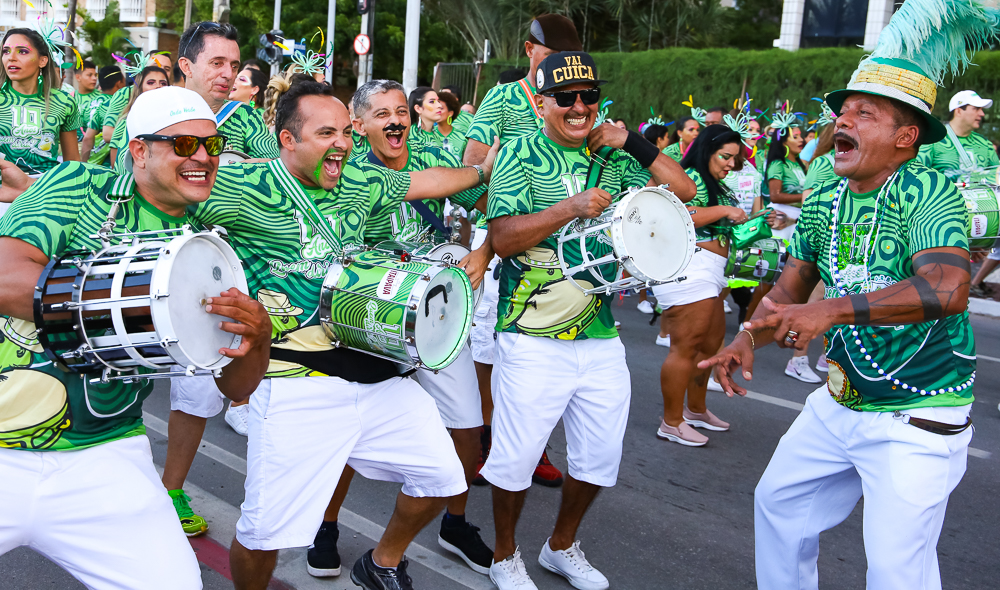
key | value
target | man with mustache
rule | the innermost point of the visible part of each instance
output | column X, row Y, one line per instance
column 889, row 240
column 558, row 352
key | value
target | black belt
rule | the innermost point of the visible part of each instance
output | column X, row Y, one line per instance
column 931, row 425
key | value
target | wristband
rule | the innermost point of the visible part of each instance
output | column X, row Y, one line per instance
column 640, row 149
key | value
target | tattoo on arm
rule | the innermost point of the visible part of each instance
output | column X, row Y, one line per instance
column 862, row 312
column 942, row 258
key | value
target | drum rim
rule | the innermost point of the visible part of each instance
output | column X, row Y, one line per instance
column 674, row 200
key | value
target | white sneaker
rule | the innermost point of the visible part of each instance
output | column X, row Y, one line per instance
column 663, row 341
column 617, row 324
column 822, row 365
column 572, row 565
column 236, row 416
column 645, row 307
column 725, row 306
column 798, row 368
column 713, row 385
column 510, row 574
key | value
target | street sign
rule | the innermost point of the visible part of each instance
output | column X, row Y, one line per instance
column 362, row 44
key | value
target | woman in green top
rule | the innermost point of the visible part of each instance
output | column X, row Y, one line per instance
column 37, row 119
column 682, row 137
column 821, row 167
column 692, row 310
column 150, row 78
column 431, row 120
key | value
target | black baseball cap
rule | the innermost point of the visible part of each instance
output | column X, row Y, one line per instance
column 556, row 32
column 565, row 68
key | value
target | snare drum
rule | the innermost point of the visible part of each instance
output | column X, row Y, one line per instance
column 139, row 305
column 651, row 236
column 983, row 202
column 761, row 261
column 413, row 312
column 230, row 157
column 448, row 252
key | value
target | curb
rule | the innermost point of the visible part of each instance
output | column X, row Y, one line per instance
column 985, row 307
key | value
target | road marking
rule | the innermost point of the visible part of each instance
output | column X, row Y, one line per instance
column 453, row 570
column 987, row 358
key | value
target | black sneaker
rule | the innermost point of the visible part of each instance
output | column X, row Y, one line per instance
column 464, row 541
column 322, row 559
column 368, row 575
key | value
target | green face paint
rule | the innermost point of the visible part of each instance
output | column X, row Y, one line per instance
column 319, row 165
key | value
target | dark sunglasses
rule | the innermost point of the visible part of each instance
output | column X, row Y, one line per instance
column 567, row 98
column 185, row 146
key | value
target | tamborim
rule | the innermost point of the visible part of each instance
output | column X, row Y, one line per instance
column 397, row 308
column 983, row 202
column 139, row 305
column 761, row 261
column 230, row 157
column 449, row 252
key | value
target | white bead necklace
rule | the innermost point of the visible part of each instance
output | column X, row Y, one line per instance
column 866, row 287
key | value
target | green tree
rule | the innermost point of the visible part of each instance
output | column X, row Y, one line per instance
column 104, row 36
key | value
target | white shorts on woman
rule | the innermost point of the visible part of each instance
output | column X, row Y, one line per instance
column 706, row 278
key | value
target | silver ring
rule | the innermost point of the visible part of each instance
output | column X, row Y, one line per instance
column 792, row 336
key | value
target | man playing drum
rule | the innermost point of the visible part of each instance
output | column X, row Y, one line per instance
column 89, row 509
column 558, row 352
column 889, row 242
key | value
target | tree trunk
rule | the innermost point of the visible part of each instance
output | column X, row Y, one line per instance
column 71, row 32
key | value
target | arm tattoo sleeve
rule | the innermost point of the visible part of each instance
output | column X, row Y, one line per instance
column 862, row 312
column 928, row 298
column 942, row 258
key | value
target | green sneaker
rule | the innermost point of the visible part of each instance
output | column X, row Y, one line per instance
column 192, row 524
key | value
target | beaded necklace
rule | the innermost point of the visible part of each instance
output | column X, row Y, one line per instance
column 866, row 286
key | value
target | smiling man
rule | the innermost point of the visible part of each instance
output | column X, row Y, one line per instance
column 889, row 242
column 558, row 352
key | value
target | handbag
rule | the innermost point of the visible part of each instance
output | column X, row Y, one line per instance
column 751, row 230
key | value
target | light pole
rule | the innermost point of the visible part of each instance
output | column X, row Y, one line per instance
column 411, row 45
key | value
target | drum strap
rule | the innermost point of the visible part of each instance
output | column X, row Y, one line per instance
column 598, row 160
column 529, row 96
column 226, row 111
column 963, row 156
column 419, row 206
column 304, row 203
column 121, row 192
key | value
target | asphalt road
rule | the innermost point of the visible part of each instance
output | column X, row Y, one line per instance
column 679, row 517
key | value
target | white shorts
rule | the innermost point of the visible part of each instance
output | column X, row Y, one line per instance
column 455, row 390
column 830, row 457
column 100, row 513
column 197, row 396
column 537, row 381
column 484, row 335
column 706, row 278
column 303, row 430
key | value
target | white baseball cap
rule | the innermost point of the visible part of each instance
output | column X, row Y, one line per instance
column 155, row 110
column 969, row 97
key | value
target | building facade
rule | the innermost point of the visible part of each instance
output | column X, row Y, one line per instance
column 833, row 23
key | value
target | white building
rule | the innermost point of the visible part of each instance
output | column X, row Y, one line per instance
column 833, row 23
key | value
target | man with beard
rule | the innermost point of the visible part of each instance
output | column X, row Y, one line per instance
column 558, row 352
column 888, row 239
column 382, row 116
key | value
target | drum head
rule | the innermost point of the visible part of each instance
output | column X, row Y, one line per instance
column 230, row 157
column 658, row 235
column 444, row 317
column 201, row 268
column 449, row 252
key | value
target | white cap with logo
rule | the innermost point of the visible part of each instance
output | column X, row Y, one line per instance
column 969, row 97
column 155, row 110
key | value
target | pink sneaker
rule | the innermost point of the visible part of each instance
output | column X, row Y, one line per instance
column 708, row 420
column 682, row 434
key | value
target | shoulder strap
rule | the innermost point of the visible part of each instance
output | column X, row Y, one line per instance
column 963, row 156
column 226, row 111
column 529, row 96
column 427, row 215
column 598, row 160
column 304, row 203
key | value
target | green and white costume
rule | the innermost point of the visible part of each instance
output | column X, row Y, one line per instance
column 977, row 155
column 30, row 129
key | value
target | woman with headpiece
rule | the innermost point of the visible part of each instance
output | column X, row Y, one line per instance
column 431, row 119
column 658, row 135
column 249, row 87
column 146, row 78
column 276, row 87
column 820, row 170
column 682, row 137
column 38, row 119
column 692, row 310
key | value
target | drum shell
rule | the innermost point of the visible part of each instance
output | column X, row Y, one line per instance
column 232, row 158
column 983, row 202
column 449, row 252
column 742, row 263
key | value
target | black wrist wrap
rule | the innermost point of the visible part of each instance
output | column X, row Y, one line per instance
column 640, row 149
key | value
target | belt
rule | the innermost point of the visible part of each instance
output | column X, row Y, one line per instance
column 932, row 426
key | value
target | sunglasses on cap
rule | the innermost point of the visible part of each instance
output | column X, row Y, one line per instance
column 185, row 146
column 567, row 98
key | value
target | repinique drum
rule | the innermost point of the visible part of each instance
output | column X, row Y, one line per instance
column 448, row 252
column 230, row 157
column 983, row 202
column 418, row 313
column 651, row 237
column 761, row 261
column 140, row 304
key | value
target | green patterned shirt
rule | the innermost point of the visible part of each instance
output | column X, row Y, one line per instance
column 718, row 229
column 922, row 210
column 507, row 112
column 674, row 151
column 101, row 152
column 453, row 143
column 119, row 100
column 41, row 406
column 943, row 157
column 29, row 134
column 792, row 176
column 820, row 172
column 83, row 102
column 533, row 173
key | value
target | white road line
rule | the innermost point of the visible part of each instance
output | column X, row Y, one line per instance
column 453, row 570
column 987, row 358
column 979, row 453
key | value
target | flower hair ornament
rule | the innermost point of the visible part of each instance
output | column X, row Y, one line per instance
column 826, row 115
column 741, row 123
column 602, row 114
column 309, row 63
column 653, row 120
column 783, row 120
column 697, row 113
column 53, row 35
column 140, row 61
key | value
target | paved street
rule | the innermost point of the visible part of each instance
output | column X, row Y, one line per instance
column 679, row 517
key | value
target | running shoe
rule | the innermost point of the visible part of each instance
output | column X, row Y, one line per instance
column 322, row 558
column 714, row 385
column 663, row 340
column 372, row 577
column 707, row 420
column 237, row 418
column 981, row 291
column 798, row 368
column 725, row 306
column 821, row 364
column 684, row 434
column 617, row 324
column 572, row 565
column 463, row 540
column 192, row 524
column 546, row 473
column 645, row 307
column 485, row 442
column 510, row 574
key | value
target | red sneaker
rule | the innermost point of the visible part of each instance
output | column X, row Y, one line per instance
column 546, row 473
column 486, row 441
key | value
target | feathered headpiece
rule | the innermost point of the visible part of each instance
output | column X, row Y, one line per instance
column 53, row 35
column 654, row 119
column 602, row 114
column 310, row 63
column 741, row 122
column 140, row 61
column 783, row 120
column 697, row 113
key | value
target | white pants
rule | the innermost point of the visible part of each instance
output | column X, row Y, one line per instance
column 101, row 513
column 197, row 396
column 537, row 381
column 303, row 430
column 832, row 456
column 484, row 335
column 455, row 390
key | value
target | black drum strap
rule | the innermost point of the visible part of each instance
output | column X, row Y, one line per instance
column 598, row 160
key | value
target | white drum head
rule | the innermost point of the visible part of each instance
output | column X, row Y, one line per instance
column 440, row 333
column 657, row 233
column 198, row 269
column 449, row 252
column 230, row 157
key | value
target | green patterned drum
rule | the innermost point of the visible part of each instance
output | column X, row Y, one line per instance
column 760, row 261
column 414, row 312
column 984, row 215
column 448, row 252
